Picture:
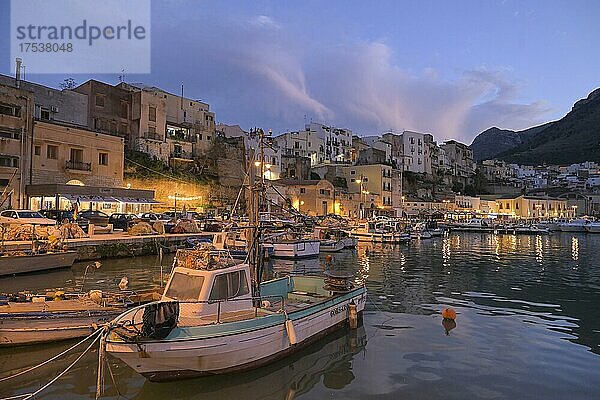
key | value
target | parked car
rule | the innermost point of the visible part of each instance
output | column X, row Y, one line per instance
column 98, row 218
column 26, row 217
column 151, row 217
column 62, row 215
column 123, row 221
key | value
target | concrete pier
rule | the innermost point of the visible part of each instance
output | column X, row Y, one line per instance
column 115, row 245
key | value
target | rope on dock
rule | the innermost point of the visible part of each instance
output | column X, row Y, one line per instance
column 57, row 377
column 6, row 378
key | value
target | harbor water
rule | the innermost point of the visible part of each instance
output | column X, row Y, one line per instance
column 528, row 327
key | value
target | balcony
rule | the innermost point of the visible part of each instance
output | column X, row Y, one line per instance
column 153, row 136
column 79, row 166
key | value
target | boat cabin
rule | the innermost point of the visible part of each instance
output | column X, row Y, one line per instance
column 201, row 286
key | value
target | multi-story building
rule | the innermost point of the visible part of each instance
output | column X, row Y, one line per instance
column 320, row 143
column 460, row 161
column 535, row 207
column 48, row 154
column 411, row 151
column 371, row 180
column 170, row 127
column 497, row 170
column 310, row 197
column 68, row 154
column 16, row 129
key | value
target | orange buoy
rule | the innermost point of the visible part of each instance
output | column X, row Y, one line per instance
column 449, row 313
column 328, row 258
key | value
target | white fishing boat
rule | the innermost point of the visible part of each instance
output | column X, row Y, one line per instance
column 293, row 246
column 22, row 262
column 209, row 323
column 333, row 240
column 532, row 229
column 593, row 227
column 576, row 225
column 379, row 232
column 473, row 225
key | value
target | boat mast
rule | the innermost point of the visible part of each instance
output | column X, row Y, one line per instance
column 255, row 194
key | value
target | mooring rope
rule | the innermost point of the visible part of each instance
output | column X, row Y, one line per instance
column 27, row 396
column 50, row 359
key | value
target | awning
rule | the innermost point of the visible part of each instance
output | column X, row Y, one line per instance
column 135, row 200
column 89, row 199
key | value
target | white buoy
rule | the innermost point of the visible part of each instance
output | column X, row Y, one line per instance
column 289, row 327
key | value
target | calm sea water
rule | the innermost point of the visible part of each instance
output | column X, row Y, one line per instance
column 528, row 327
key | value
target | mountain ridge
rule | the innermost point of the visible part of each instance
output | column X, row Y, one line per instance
column 573, row 138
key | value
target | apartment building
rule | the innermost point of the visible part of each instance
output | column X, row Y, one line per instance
column 320, row 143
column 411, row 151
column 16, row 127
column 535, row 207
column 375, row 179
column 460, row 161
column 310, row 197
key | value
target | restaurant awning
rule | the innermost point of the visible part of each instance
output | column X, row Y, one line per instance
column 93, row 194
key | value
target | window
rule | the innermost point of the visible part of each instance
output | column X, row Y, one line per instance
column 302, row 190
column 200, row 137
column 45, row 114
column 296, row 145
column 228, row 286
column 185, row 287
column 352, row 172
column 37, row 150
column 123, row 129
column 151, row 129
column 177, row 151
column 103, row 158
column 152, row 114
column 99, row 100
column 76, row 155
column 10, row 110
column 8, row 161
column 52, row 152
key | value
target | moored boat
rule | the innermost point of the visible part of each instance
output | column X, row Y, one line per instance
column 24, row 262
column 208, row 321
column 42, row 319
column 576, row 225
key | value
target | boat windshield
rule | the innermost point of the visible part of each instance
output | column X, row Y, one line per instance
column 185, row 287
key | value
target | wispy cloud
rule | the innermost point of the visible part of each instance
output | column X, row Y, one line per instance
column 257, row 73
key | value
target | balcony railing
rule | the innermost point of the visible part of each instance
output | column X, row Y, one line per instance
column 80, row 166
column 153, row 136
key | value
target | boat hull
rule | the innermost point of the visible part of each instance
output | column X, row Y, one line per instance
column 236, row 350
column 44, row 329
column 38, row 262
column 381, row 237
column 296, row 249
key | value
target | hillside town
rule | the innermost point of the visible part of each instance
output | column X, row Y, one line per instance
column 61, row 146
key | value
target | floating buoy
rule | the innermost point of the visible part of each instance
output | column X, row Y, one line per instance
column 449, row 313
column 352, row 316
column 328, row 258
column 289, row 327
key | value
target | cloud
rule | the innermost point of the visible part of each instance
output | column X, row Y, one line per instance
column 253, row 71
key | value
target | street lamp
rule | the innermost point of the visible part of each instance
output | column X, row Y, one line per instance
column 360, row 181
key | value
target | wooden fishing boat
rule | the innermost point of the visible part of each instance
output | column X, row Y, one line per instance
column 43, row 319
column 208, row 322
column 23, row 262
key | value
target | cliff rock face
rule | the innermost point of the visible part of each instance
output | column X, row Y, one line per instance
column 572, row 139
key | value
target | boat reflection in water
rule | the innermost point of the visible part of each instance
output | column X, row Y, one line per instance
column 329, row 359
